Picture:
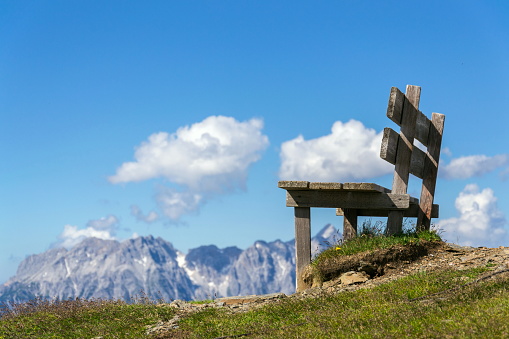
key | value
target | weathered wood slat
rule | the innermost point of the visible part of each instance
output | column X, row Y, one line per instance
column 389, row 149
column 325, row 186
column 411, row 212
column 406, row 140
column 355, row 200
column 349, row 224
column 395, row 113
column 422, row 126
column 365, row 187
column 302, row 242
column 389, row 146
column 348, row 186
column 293, row 185
column 404, row 153
column 395, row 105
column 414, row 201
column 431, row 171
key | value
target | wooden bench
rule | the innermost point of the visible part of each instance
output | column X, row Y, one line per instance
column 352, row 200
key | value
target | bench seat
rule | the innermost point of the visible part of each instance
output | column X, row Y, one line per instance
column 334, row 194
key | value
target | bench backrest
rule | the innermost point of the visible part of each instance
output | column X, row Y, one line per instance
column 399, row 149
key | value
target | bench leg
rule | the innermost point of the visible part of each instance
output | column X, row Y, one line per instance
column 349, row 223
column 302, row 243
column 394, row 222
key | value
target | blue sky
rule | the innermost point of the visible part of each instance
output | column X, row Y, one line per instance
column 177, row 119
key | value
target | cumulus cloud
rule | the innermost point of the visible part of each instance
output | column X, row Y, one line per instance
column 209, row 157
column 174, row 204
column 473, row 165
column 350, row 153
column 103, row 228
column 480, row 222
column 140, row 216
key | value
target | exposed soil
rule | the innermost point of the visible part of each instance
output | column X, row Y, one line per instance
column 374, row 263
column 398, row 262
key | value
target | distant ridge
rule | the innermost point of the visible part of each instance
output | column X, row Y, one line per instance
column 109, row 269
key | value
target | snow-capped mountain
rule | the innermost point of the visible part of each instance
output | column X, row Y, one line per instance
column 110, row 269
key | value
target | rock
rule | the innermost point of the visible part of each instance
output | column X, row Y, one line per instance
column 350, row 278
column 250, row 298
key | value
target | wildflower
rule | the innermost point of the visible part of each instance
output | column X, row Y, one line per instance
column 338, row 248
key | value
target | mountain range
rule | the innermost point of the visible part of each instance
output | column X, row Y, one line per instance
column 109, row 269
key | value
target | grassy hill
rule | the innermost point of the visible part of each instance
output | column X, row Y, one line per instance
column 469, row 299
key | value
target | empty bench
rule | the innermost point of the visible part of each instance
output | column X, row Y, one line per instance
column 352, row 200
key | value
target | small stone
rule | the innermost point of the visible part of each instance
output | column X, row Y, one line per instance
column 250, row 298
column 177, row 303
column 350, row 278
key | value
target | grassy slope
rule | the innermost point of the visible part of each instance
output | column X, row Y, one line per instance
column 82, row 319
column 476, row 310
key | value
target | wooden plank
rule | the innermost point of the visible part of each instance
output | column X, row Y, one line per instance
column 334, row 199
column 292, row 185
column 395, row 105
column 364, row 186
column 325, row 186
column 350, row 186
column 417, row 162
column 414, row 201
column 349, row 224
column 302, row 243
column 404, row 153
column 389, row 148
column 406, row 140
column 411, row 212
column 422, row 126
column 431, row 171
column 396, row 110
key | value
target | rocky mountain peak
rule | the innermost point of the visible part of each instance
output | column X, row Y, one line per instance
column 97, row 268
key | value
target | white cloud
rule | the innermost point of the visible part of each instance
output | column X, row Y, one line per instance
column 206, row 158
column 480, row 223
column 138, row 214
column 103, row 228
column 217, row 148
column 105, row 223
column 350, row 153
column 446, row 151
column 473, row 165
column 174, row 204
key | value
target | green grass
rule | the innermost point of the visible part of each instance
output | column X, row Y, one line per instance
column 81, row 318
column 387, row 311
column 371, row 237
column 199, row 302
column 478, row 310
column 408, row 307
